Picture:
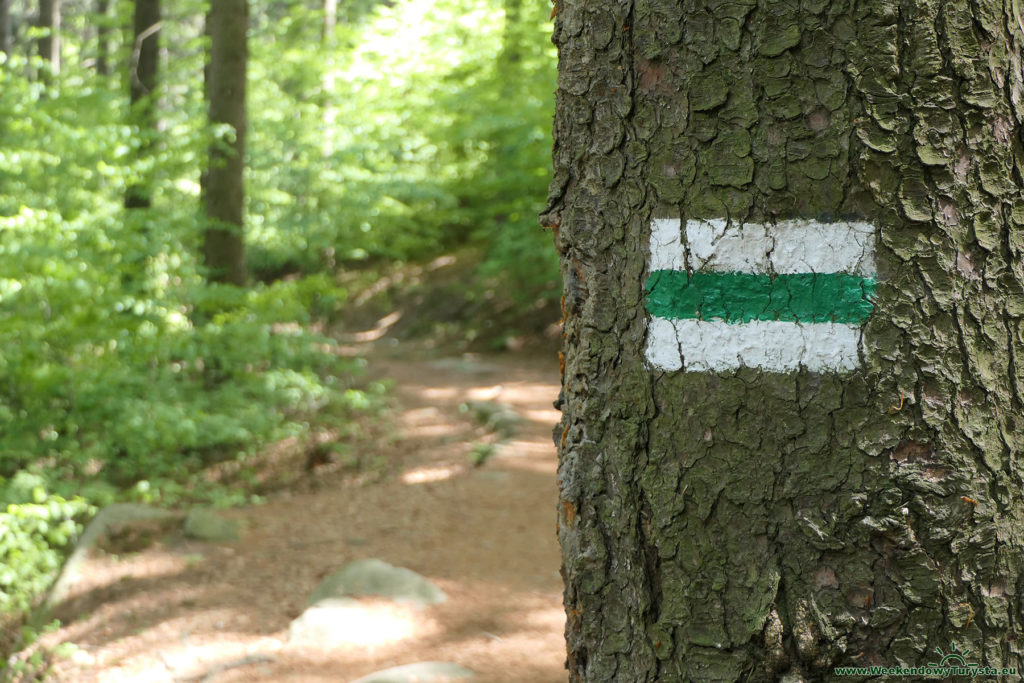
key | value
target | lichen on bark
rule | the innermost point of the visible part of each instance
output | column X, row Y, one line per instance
column 747, row 525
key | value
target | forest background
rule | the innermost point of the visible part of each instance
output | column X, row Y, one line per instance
column 380, row 134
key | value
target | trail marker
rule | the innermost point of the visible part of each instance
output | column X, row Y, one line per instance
column 776, row 297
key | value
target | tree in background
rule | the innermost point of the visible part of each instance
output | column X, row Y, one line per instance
column 5, row 27
column 143, row 68
column 113, row 386
column 329, row 48
column 330, row 21
column 224, row 247
column 783, row 465
column 49, row 43
column 103, row 37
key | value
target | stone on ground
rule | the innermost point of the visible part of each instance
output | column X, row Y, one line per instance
column 344, row 622
column 206, row 525
column 373, row 577
column 421, row 672
column 112, row 518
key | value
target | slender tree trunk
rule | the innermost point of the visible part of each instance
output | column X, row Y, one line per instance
column 204, row 173
column 224, row 248
column 510, row 75
column 768, row 510
column 143, row 77
column 49, row 44
column 328, row 43
column 512, row 34
column 5, row 27
column 330, row 21
column 102, row 38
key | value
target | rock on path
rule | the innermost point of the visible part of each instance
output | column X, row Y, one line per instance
column 334, row 619
column 378, row 578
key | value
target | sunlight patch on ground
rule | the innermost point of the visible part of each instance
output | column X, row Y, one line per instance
column 198, row 658
column 442, row 262
column 544, row 416
column 529, row 456
column 440, row 394
column 166, row 662
column 426, row 475
column 529, row 393
column 109, row 569
column 432, row 430
column 486, row 393
column 512, row 393
column 364, row 624
column 526, row 631
column 379, row 330
column 546, row 618
column 422, row 415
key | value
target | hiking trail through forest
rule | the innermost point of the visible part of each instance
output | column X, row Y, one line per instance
column 182, row 610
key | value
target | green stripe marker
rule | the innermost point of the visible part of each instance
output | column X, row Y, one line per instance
column 776, row 297
column 742, row 297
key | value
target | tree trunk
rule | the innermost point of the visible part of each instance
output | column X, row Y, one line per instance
column 5, row 27
column 769, row 509
column 204, row 173
column 49, row 44
column 102, row 38
column 330, row 21
column 330, row 111
column 143, row 89
column 224, row 249
column 512, row 33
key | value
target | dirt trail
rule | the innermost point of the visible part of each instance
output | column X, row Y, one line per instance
column 188, row 611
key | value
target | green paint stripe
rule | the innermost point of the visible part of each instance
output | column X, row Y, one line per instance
column 742, row 297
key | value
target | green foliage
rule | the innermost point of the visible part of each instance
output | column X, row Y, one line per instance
column 431, row 130
column 34, row 526
column 481, row 453
column 124, row 375
column 420, row 126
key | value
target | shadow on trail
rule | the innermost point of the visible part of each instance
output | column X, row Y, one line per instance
column 484, row 535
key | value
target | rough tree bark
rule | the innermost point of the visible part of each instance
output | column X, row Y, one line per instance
column 143, row 78
column 224, row 248
column 745, row 524
column 49, row 44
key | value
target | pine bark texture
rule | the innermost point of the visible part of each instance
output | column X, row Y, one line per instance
column 144, row 66
column 761, row 526
column 224, row 248
column 49, row 45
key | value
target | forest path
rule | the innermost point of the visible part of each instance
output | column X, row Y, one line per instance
column 189, row 611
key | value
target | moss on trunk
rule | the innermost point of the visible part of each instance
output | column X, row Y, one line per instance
column 748, row 525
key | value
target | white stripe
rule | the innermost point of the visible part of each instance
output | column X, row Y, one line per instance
column 794, row 246
column 667, row 251
column 702, row 345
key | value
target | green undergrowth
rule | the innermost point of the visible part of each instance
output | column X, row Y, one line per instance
column 421, row 129
column 124, row 375
column 437, row 136
column 452, row 302
column 145, row 408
